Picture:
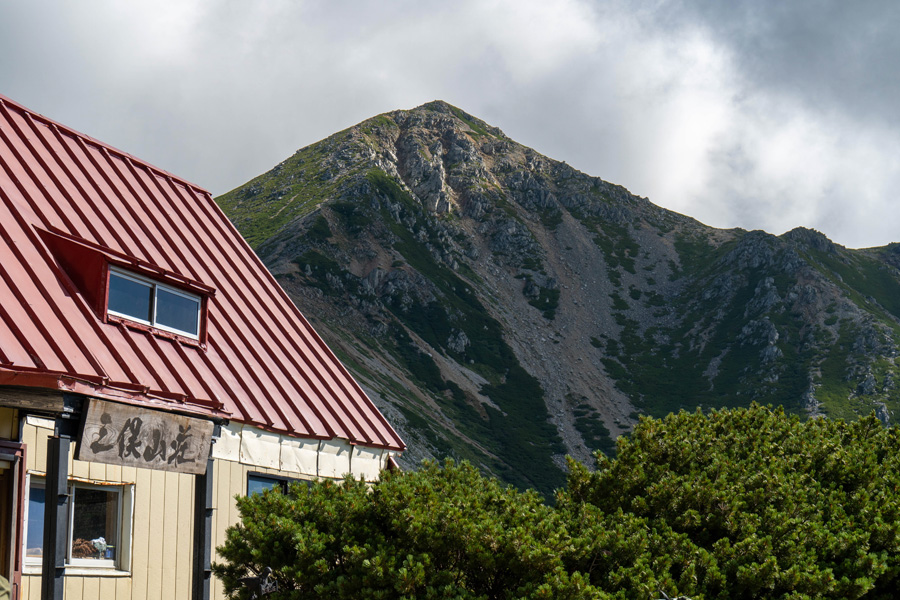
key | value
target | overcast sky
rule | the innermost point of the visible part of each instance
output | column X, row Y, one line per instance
column 755, row 114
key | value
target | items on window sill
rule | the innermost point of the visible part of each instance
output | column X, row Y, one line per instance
column 82, row 548
column 96, row 548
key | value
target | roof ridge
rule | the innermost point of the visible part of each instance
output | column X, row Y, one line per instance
column 99, row 143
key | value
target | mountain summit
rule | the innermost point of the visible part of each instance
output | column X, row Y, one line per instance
column 506, row 308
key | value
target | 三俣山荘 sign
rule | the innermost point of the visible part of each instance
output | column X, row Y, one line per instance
column 120, row 434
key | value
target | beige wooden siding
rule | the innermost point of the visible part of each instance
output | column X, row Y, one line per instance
column 230, row 480
column 162, row 551
column 9, row 424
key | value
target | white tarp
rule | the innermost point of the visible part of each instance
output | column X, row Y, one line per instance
column 260, row 448
column 366, row 463
column 300, row 456
column 334, row 458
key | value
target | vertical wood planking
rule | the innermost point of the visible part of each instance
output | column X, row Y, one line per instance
column 238, row 486
column 29, row 436
column 74, row 588
column 114, row 473
column 123, row 588
column 31, row 587
column 78, row 468
column 70, row 461
column 185, row 536
column 169, row 548
column 221, row 487
column 40, row 447
column 156, row 546
column 141, row 534
column 128, row 475
column 90, row 591
column 107, row 589
column 97, row 471
column 162, row 538
column 125, row 585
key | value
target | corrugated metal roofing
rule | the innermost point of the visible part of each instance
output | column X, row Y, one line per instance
column 69, row 205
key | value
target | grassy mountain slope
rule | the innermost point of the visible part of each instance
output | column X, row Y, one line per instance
column 503, row 307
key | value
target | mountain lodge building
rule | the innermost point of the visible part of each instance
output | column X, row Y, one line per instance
column 150, row 369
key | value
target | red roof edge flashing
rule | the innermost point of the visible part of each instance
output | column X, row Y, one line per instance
column 98, row 388
column 126, row 394
column 29, row 379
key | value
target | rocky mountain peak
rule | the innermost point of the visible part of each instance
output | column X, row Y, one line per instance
column 503, row 307
column 812, row 239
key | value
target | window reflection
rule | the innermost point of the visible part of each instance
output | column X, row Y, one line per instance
column 94, row 525
column 34, row 535
column 257, row 484
column 130, row 297
column 146, row 301
column 176, row 311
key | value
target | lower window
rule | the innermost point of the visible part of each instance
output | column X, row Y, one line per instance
column 98, row 529
column 95, row 515
column 257, row 483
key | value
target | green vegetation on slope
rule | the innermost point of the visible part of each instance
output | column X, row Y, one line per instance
column 294, row 188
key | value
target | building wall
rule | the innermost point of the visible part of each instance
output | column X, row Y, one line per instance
column 162, row 545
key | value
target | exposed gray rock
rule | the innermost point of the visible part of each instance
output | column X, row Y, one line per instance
column 811, row 238
column 867, row 385
column 765, row 298
column 458, row 342
column 883, row 414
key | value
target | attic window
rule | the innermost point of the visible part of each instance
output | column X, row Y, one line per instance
column 152, row 303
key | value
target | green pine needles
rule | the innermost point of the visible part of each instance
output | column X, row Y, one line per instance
column 743, row 503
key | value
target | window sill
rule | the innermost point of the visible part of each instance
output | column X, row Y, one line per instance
column 136, row 326
column 80, row 571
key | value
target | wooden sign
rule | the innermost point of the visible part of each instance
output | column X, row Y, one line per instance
column 119, row 434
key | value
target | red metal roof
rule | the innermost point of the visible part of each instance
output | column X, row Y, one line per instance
column 70, row 205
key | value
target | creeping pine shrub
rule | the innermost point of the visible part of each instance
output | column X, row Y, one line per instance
column 753, row 503
column 744, row 503
column 441, row 532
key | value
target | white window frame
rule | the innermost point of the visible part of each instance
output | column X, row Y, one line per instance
column 124, row 527
column 155, row 286
column 107, row 563
column 31, row 560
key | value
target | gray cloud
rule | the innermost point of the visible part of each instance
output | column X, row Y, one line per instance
column 832, row 55
column 754, row 114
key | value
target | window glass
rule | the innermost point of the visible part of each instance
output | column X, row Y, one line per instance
column 130, row 297
column 257, row 484
column 177, row 311
column 95, row 521
column 34, row 535
column 147, row 301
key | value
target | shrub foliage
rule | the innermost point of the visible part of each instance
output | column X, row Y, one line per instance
column 744, row 503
